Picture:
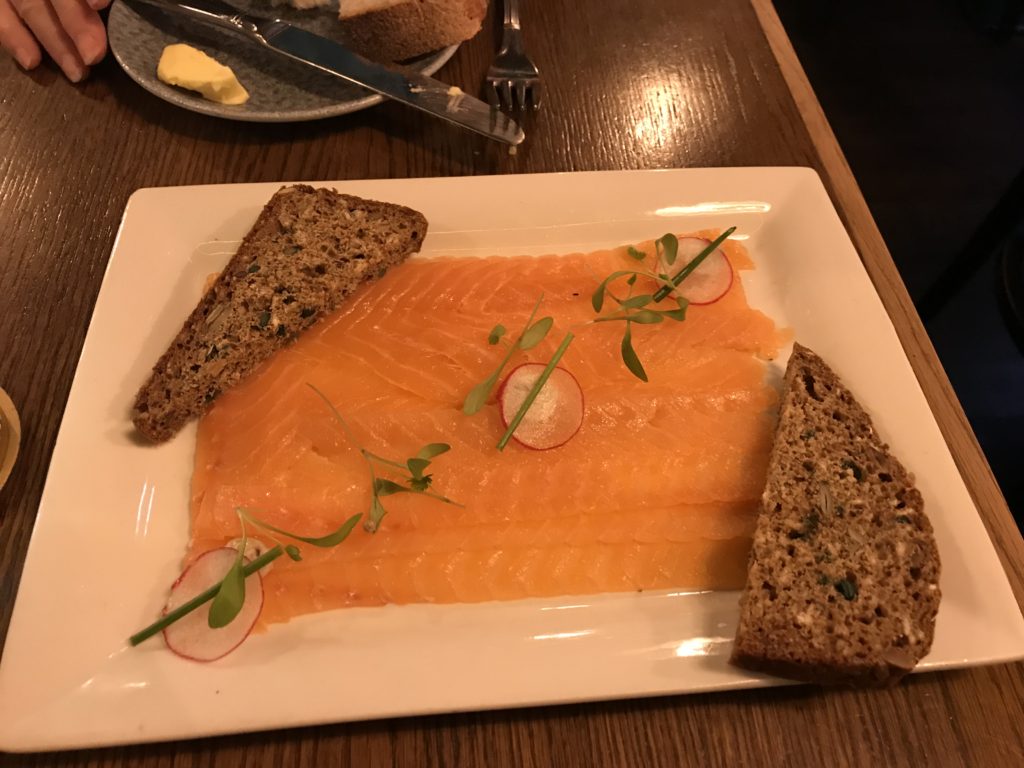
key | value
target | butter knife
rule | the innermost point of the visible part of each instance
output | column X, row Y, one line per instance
column 411, row 88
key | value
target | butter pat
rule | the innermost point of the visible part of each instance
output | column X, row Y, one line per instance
column 188, row 67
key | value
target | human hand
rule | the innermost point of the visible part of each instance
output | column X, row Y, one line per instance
column 71, row 31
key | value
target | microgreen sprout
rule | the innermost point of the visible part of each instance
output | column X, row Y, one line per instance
column 231, row 594
column 415, row 482
column 228, row 595
column 533, row 334
column 641, row 309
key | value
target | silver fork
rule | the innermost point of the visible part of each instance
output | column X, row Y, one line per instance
column 513, row 78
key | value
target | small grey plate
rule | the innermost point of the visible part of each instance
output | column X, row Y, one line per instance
column 280, row 90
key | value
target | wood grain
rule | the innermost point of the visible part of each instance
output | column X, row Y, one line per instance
column 647, row 85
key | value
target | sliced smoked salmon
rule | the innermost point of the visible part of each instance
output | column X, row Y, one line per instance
column 657, row 490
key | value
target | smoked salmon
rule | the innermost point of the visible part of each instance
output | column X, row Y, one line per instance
column 657, row 490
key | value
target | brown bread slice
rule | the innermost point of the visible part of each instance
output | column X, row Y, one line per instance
column 843, row 581
column 395, row 31
column 308, row 250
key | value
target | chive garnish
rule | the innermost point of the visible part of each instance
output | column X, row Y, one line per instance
column 686, row 271
column 535, row 390
column 233, row 597
column 203, row 597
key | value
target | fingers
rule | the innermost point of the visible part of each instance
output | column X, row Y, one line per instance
column 98, row 5
column 40, row 17
column 84, row 27
column 16, row 39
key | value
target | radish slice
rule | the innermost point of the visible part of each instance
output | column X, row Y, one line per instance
column 555, row 416
column 191, row 637
column 710, row 281
column 254, row 549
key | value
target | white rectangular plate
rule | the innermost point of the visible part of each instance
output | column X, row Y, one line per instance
column 113, row 522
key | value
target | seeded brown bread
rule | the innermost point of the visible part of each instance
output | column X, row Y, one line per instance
column 308, row 250
column 399, row 31
column 842, row 586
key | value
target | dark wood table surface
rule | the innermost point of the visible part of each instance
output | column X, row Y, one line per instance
column 712, row 83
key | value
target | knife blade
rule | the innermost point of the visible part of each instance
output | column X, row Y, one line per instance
column 402, row 85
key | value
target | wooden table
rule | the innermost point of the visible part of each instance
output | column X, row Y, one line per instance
column 657, row 84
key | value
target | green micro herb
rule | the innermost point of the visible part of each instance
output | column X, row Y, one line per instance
column 228, row 595
column 264, row 318
column 496, row 333
column 415, row 482
column 629, row 355
column 638, row 309
column 231, row 594
column 332, row 539
column 902, row 519
column 823, row 579
column 533, row 334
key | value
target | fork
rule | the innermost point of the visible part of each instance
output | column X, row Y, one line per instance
column 513, row 78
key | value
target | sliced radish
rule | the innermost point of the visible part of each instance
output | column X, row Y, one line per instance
column 191, row 637
column 254, row 549
column 710, row 281
column 555, row 416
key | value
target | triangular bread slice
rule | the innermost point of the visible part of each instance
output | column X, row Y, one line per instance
column 308, row 250
column 843, row 581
